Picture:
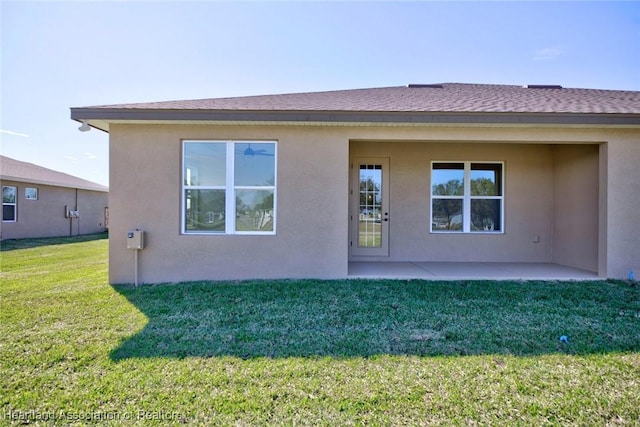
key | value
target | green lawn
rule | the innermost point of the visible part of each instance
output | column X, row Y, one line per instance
column 75, row 350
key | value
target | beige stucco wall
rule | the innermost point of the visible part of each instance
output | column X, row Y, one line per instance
column 541, row 169
column 622, row 226
column 45, row 217
column 311, row 208
column 575, row 205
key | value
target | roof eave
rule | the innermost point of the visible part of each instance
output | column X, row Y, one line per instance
column 100, row 118
column 35, row 181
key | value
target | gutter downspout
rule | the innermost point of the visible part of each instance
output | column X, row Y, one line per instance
column 76, row 209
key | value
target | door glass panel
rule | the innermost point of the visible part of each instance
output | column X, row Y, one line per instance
column 370, row 212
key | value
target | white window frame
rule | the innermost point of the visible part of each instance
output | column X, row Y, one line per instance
column 466, row 198
column 14, row 204
column 230, row 189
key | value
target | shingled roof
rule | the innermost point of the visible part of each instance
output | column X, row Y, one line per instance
column 16, row 170
column 430, row 103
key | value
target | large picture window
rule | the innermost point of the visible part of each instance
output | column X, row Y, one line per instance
column 229, row 187
column 467, row 197
column 9, row 200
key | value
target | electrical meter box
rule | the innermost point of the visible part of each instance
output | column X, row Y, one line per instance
column 135, row 239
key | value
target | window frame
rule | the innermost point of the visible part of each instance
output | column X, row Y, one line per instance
column 230, row 188
column 14, row 204
column 31, row 193
column 467, row 198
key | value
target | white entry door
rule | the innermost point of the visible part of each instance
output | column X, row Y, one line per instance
column 369, row 214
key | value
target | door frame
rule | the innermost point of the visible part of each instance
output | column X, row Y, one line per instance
column 355, row 250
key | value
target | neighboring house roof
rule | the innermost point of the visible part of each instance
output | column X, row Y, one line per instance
column 433, row 103
column 16, row 170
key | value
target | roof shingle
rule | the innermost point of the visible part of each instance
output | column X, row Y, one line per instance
column 451, row 97
column 16, row 170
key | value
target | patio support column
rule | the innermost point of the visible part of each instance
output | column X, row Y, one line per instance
column 622, row 214
column 602, row 210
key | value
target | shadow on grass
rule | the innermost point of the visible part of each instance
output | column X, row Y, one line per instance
column 13, row 244
column 361, row 318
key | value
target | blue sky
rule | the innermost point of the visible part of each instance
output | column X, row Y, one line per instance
column 57, row 55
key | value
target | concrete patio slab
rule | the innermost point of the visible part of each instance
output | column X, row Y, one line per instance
column 468, row 271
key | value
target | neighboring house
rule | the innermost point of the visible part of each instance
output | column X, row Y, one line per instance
column 300, row 185
column 40, row 202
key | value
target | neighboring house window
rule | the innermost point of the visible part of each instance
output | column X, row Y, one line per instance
column 30, row 193
column 229, row 187
column 9, row 200
column 467, row 197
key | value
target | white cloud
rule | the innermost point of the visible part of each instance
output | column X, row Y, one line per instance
column 10, row 132
column 72, row 159
column 547, row 53
column 90, row 156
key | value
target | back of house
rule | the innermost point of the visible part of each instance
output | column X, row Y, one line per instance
column 309, row 184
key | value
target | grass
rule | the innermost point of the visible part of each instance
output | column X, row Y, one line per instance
column 75, row 350
column 360, row 318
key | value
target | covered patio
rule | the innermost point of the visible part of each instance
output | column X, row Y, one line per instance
column 468, row 271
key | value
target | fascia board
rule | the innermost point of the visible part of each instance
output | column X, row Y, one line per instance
column 107, row 115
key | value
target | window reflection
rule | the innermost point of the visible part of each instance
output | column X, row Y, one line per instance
column 467, row 197
column 205, row 210
column 447, row 179
column 218, row 173
column 254, row 164
column 485, row 215
column 205, row 164
column 370, row 216
column 254, row 210
column 447, row 215
column 485, row 179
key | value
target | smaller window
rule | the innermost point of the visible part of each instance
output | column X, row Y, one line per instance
column 9, row 199
column 30, row 193
column 467, row 197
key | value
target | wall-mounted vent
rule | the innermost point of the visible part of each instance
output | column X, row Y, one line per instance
column 542, row 87
column 424, row 86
